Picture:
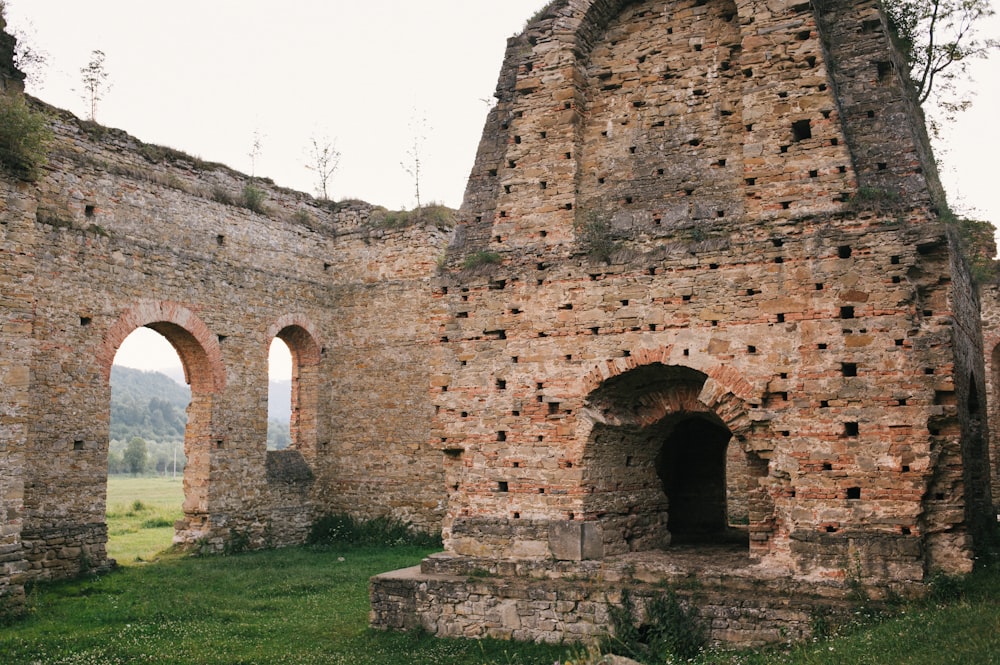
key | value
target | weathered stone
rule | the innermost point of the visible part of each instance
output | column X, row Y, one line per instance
column 726, row 311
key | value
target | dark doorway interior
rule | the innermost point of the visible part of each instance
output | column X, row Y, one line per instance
column 692, row 467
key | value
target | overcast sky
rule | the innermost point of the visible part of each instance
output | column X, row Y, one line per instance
column 206, row 76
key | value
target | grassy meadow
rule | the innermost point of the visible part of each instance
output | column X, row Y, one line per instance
column 141, row 514
column 310, row 605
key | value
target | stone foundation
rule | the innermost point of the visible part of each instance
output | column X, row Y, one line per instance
column 738, row 602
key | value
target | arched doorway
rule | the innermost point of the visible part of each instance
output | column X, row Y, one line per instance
column 201, row 359
column 659, row 461
column 691, row 465
column 146, row 459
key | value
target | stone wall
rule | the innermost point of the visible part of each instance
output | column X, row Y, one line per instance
column 118, row 235
column 700, row 261
column 556, row 602
column 990, row 295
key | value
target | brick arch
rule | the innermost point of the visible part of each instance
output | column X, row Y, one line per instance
column 198, row 348
column 301, row 336
column 299, row 333
column 201, row 357
column 633, row 407
column 724, row 392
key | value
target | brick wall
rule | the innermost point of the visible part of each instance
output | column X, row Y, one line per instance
column 120, row 235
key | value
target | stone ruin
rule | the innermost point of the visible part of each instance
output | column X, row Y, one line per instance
column 700, row 324
column 704, row 327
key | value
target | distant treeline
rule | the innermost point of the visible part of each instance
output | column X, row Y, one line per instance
column 152, row 407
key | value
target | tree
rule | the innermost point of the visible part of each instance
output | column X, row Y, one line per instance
column 256, row 148
column 939, row 39
column 414, row 156
column 95, row 81
column 323, row 161
column 134, row 457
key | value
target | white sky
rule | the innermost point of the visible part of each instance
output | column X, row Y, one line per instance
column 204, row 76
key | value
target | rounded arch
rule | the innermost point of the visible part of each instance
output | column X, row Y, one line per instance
column 298, row 332
column 197, row 347
column 722, row 390
column 666, row 454
column 204, row 371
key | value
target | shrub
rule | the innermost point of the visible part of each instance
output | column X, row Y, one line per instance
column 946, row 588
column 381, row 532
column 481, row 258
column 253, row 198
column 668, row 630
column 220, row 195
column 237, row 543
column 596, row 238
column 24, row 138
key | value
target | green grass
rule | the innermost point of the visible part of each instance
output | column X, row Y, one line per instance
column 297, row 605
column 141, row 515
column 310, row 605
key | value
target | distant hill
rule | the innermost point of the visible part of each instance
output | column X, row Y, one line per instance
column 150, row 405
column 279, row 401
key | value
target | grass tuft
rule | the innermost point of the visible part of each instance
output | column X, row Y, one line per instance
column 340, row 529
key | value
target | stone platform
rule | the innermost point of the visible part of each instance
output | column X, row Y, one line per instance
column 738, row 600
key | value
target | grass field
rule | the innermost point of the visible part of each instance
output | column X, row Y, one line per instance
column 307, row 605
column 310, row 605
column 141, row 515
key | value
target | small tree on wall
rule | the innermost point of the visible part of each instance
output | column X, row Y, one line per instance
column 323, row 161
column 940, row 38
column 413, row 163
column 95, row 81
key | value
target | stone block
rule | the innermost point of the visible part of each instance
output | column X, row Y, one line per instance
column 575, row 541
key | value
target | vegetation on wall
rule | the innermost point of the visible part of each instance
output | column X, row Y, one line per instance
column 595, row 237
column 432, row 214
column 939, row 38
column 977, row 244
column 667, row 630
column 24, row 138
column 480, row 259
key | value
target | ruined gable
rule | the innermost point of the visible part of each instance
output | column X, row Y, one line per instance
column 700, row 299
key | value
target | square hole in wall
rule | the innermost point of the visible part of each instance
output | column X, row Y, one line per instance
column 853, row 492
column 802, row 130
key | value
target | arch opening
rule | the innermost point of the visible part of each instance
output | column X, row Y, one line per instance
column 200, row 358
column 691, row 465
column 146, row 457
column 304, row 377
column 279, row 395
column 662, row 465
